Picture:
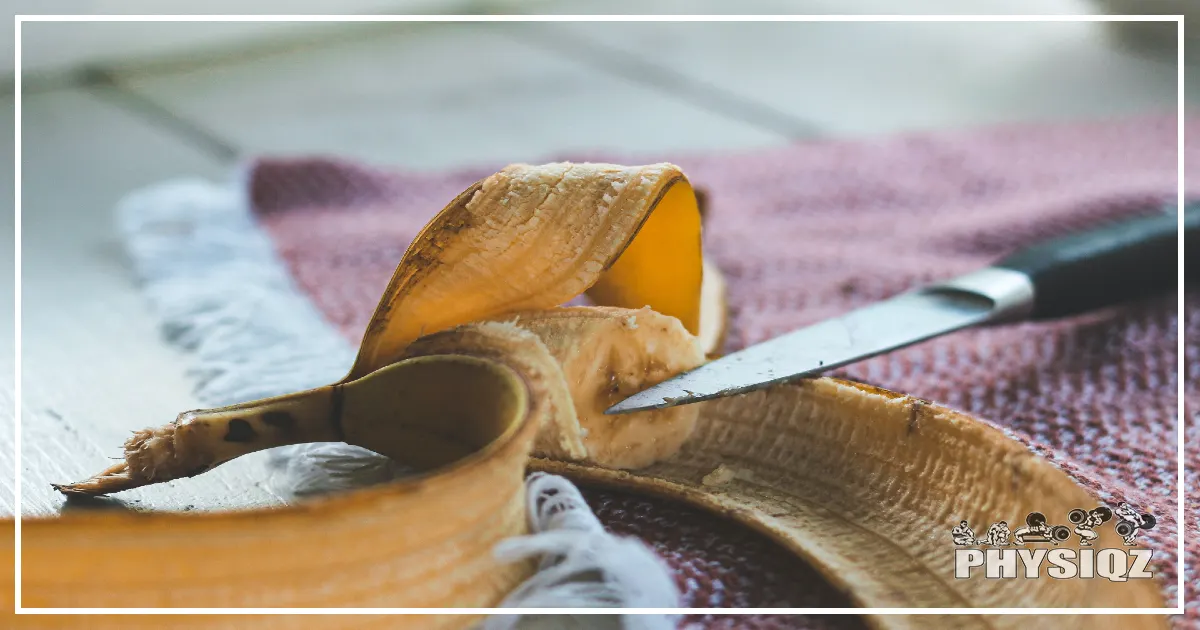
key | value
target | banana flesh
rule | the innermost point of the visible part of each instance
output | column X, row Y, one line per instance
column 608, row 353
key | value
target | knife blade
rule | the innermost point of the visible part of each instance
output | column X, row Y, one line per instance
column 1066, row 276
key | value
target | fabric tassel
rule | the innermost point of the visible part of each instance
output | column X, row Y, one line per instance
column 581, row 566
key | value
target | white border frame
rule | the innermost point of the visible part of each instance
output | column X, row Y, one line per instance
column 17, row 397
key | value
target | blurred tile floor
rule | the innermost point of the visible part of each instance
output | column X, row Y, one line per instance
column 435, row 96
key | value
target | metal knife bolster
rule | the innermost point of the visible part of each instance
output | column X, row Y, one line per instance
column 1011, row 293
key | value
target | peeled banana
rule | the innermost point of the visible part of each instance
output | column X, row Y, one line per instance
column 471, row 364
column 525, row 239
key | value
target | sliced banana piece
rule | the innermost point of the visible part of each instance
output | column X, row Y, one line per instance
column 608, row 353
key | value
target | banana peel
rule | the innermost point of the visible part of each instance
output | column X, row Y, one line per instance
column 469, row 366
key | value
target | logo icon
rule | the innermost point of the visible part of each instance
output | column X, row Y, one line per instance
column 989, row 554
column 963, row 534
column 1131, row 523
column 997, row 535
column 1087, row 522
column 1037, row 530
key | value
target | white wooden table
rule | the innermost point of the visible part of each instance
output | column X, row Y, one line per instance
column 432, row 96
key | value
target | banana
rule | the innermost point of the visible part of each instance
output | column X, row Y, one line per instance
column 608, row 353
column 470, row 365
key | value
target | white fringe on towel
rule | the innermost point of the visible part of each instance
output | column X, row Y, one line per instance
column 215, row 280
column 582, row 566
column 212, row 276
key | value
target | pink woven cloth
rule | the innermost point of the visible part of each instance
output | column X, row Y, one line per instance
column 809, row 231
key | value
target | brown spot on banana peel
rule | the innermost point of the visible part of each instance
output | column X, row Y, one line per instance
column 916, row 408
column 240, row 431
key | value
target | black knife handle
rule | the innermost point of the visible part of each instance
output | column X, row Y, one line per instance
column 1110, row 265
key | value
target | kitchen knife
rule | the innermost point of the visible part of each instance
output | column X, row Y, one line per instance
column 1112, row 264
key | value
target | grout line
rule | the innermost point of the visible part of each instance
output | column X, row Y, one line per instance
column 201, row 56
column 34, row 84
column 191, row 60
column 701, row 94
column 101, row 82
